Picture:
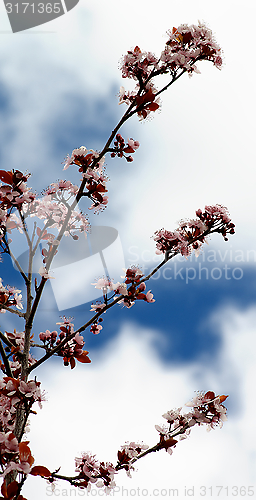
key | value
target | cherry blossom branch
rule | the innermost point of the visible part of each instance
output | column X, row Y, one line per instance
column 206, row 409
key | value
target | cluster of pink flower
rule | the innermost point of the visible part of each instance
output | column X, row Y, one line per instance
column 72, row 349
column 145, row 103
column 188, row 44
column 129, row 452
column 16, row 455
column 138, row 65
column 92, row 171
column 132, row 277
column 216, row 218
column 93, row 472
column 60, row 187
column 17, row 390
column 134, row 292
column 96, row 186
column 120, row 148
column 54, row 209
column 84, row 159
column 207, row 409
column 14, row 193
column 12, row 392
column 192, row 234
column 185, row 46
column 17, row 341
column 9, row 296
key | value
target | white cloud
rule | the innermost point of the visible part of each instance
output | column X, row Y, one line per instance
column 121, row 396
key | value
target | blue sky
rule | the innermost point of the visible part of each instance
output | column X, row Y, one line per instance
column 58, row 91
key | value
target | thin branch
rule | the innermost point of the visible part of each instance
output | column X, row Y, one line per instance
column 17, row 264
column 6, row 341
column 6, row 361
column 13, row 311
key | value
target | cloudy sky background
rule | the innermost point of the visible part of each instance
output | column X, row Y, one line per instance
column 58, row 90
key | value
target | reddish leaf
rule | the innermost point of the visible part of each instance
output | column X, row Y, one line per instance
column 128, row 149
column 11, row 225
column 148, row 97
column 72, row 363
column 9, row 492
column 25, row 453
column 210, row 395
column 40, row 470
column 12, row 489
column 3, row 298
column 153, row 106
column 100, row 188
column 83, row 358
column 46, row 235
column 223, row 398
column 3, row 489
column 167, row 443
column 7, row 177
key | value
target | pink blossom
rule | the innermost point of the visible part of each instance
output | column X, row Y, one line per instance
column 44, row 273
column 97, row 307
column 133, row 144
column 79, row 152
column 66, row 322
column 9, row 442
column 18, row 299
column 133, row 449
column 95, row 328
column 104, row 284
column 121, row 288
column 172, row 415
column 44, row 336
column 149, row 297
column 130, row 451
